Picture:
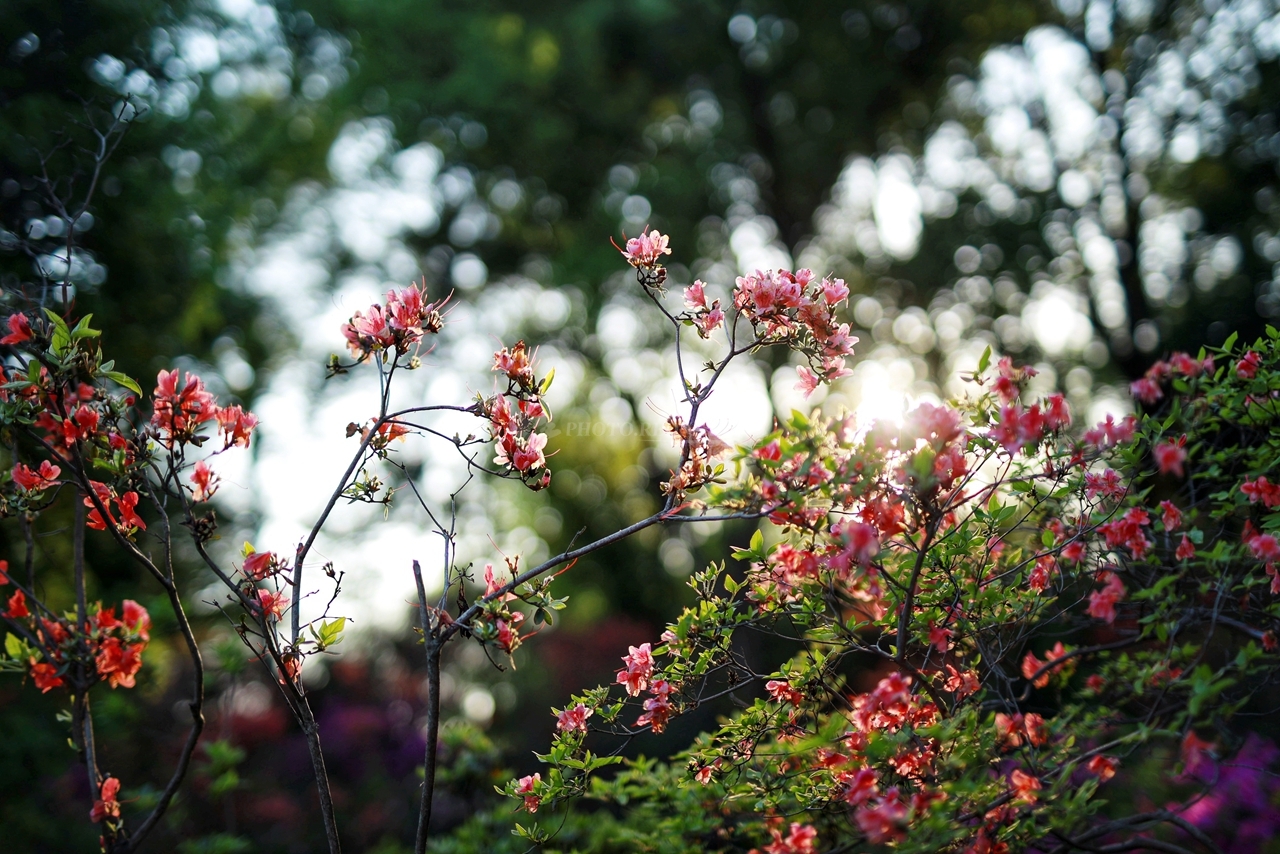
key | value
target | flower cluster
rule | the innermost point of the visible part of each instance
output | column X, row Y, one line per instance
column 799, row 310
column 397, row 326
column 515, row 415
column 110, row 647
column 180, row 408
column 645, row 253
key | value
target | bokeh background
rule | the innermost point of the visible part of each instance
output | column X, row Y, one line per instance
column 1081, row 184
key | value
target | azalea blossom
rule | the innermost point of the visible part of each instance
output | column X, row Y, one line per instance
column 1258, row 491
column 528, row 787
column 574, row 720
column 1170, row 456
column 639, row 669
column 19, row 330
column 178, row 411
column 647, row 249
column 1102, row 603
column 204, row 482
column 107, row 804
column 38, row 479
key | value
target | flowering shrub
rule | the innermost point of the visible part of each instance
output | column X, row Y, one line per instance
column 990, row 614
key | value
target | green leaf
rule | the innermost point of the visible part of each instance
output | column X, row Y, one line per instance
column 331, row 632
column 984, row 361
column 13, row 646
column 124, row 380
column 1230, row 342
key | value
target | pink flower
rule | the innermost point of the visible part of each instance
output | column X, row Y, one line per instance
column 179, row 412
column 1170, row 456
column 1265, row 547
column 1042, row 573
column 834, row 291
column 1259, row 491
column 574, row 720
column 1246, row 368
column 236, row 425
column 782, row 692
column 1108, row 484
column 1109, row 433
column 1170, row 515
column 860, row 786
column 695, row 298
column 1102, row 603
column 645, row 250
column 204, row 481
column 799, row 840
column 527, row 786
column 809, row 381
column 529, row 455
column 1024, row 786
column 639, row 669
column 710, row 322
column 272, row 603
column 1057, row 412
column 657, row 709
column 884, row 821
column 1188, row 366
column 1186, row 549
column 1146, row 390
column 368, row 332
column 259, row 565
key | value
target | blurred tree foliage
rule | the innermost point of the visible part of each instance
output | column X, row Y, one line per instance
column 1081, row 184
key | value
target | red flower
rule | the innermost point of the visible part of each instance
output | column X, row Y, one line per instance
column 4, row 572
column 1262, row 491
column 205, row 482
column 1186, row 549
column 107, row 804
column 45, row 676
column 1102, row 603
column 1170, row 456
column 36, row 480
column 782, row 692
column 119, row 663
column 19, row 330
column 1246, row 368
column 657, row 709
column 859, row 786
column 17, row 606
column 799, row 840
column 136, row 619
column 1171, row 516
column 1024, row 786
column 179, row 412
column 1102, row 767
column 128, row 518
column 236, row 425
